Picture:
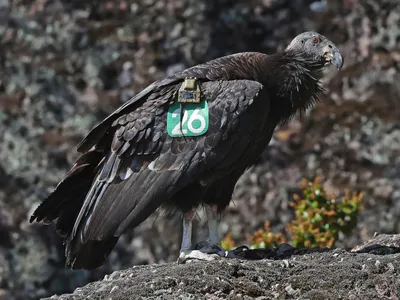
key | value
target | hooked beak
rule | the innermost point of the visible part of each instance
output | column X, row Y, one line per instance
column 333, row 57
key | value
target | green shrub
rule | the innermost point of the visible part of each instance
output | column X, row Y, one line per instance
column 319, row 218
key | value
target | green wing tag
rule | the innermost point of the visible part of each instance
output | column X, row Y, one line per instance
column 194, row 119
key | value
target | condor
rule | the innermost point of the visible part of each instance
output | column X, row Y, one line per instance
column 133, row 162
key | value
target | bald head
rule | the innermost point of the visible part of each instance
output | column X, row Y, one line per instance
column 315, row 46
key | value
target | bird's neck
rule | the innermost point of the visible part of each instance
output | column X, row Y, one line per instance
column 295, row 81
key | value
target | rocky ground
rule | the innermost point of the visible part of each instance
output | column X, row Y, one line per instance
column 288, row 274
column 64, row 65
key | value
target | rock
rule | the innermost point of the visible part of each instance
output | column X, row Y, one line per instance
column 380, row 244
column 333, row 274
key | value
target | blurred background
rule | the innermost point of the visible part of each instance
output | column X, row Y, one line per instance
column 66, row 64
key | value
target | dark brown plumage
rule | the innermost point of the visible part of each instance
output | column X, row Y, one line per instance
column 130, row 166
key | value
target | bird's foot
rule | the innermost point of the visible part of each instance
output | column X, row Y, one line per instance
column 235, row 253
column 203, row 251
column 196, row 255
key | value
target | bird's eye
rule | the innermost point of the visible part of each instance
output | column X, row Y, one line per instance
column 315, row 40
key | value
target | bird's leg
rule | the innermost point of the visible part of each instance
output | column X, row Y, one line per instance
column 187, row 231
column 186, row 252
column 213, row 220
column 204, row 250
column 213, row 244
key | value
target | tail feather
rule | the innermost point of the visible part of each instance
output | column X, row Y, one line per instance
column 67, row 217
column 66, row 200
column 90, row 255
column 90, row 252
column 82, row 252
column 71, row 205
column 94, row 206
column 110, row 209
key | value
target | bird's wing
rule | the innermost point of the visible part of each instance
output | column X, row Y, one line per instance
column 231, row 67
column 145, row 166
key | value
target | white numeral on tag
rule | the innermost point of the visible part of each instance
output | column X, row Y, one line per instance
column 190, row 123
column 192, row 120
column 196, row 116
column 178, row 126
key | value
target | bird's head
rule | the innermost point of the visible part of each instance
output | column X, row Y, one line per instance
column 317, row 48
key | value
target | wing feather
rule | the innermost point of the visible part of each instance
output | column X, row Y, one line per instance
column 118, row 204
column 223, row 68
